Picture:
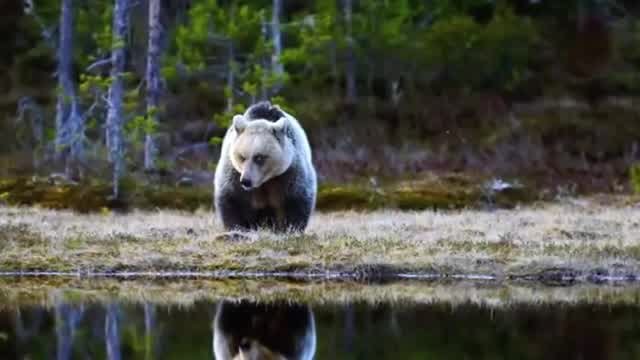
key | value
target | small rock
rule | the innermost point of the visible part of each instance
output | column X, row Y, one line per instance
column 60, row 179
column 233, row 236
column 185, row 181
column 194, row 178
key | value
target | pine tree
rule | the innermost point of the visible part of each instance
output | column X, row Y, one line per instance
column 237, row 31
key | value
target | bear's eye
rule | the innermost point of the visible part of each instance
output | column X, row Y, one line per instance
column 241, row 158
column 259, row 159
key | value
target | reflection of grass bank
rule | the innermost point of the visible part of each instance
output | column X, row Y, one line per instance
column 47, row 292
column 428, row 192
column 547, row 241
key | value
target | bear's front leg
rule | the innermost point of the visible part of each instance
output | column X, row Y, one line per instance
column 235, row 213
column 297, row 211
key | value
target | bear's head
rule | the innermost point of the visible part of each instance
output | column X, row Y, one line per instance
column 261, row 150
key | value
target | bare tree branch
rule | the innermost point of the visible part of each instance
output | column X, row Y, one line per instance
column 47, row 33
column 99, row 63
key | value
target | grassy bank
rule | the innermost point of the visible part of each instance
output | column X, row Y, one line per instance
column 585, row 237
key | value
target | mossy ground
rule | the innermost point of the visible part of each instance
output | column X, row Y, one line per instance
column 95, row 196
column 426, row 191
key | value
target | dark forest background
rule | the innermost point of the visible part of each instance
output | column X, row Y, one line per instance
column 532, row 88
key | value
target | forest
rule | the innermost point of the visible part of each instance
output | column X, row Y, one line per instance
column 126, row 90
column 478, row 167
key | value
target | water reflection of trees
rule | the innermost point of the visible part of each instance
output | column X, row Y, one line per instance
column 112, row 332
column 443, row 331
column 66, row 321
column 358, row 331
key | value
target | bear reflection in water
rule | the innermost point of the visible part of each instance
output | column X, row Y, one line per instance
column 250, row 331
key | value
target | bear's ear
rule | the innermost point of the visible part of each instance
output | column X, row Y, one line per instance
column 279, row 109
column 239, row 123
column 279, row 128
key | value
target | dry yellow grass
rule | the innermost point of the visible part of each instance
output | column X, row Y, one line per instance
column 579, row 238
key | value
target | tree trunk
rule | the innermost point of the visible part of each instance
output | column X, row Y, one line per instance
column 69, row 123
column 581, row 17
column 64, row 68
column 276, row 37
column 264, row 92
column 76, row 141
column 153, row 81
column 351, row 60
column 334, row 69
column 230, row 76
column 115, row 115
column 394, row 92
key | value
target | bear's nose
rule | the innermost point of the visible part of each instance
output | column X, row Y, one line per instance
column 245, row 344
column 246, row 183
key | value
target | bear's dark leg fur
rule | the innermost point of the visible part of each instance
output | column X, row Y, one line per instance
column 266, row 218
column 235, row 213
column 297, row 210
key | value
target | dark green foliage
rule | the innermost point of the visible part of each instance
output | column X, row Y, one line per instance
column 634, row 174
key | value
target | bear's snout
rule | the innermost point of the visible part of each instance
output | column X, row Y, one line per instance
column 246, row 184
column 245, row 344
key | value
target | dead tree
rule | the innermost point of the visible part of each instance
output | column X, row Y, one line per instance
column 276, row 36
column 351, row 59
column 115, row 115
column 153, row 82
column 69, row 123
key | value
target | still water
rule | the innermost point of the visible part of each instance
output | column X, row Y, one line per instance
column 297, row 331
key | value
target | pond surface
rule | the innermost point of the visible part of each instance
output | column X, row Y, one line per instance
column 355, row 331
